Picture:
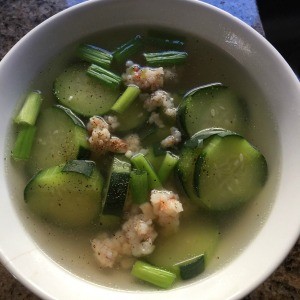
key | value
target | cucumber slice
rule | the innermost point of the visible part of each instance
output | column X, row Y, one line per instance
column 220, row 170
column 188, row 158
column 69, row 198
column 192, row 268
column 61, row 136
column 80, row 166
column 116, row 188
column 209, row 106
column 197, row 234
column 82, row 93
column 230, row 173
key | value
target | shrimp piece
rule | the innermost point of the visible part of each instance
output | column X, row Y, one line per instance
column 147, row 210
column 117, row 145
column 144, row 77
column 101, row 139
column 140, row 234
column 166, row 207
column 133, row 145
column 96, row 122
column 173, row 139
column 111, row 250
column 162, row 99
column 106, row 251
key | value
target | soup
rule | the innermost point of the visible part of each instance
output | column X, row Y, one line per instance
column 71, row 248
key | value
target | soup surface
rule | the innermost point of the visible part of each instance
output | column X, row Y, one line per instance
column 71, row 248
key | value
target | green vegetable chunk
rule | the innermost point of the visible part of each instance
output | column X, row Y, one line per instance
column 166, row 58
column 210, row 106
column 126, row 99
column 95, row 55
column 198, row 234
column 85, row 95
column 67, row 198
column 128, row 49
column 23, row 144
column 30, row 109
column 139, row 186
column 141, row 163
column 220, row 170
column 192, row 268
column 154, row 275
column 116, row 188
column 106, row 77
column 167, row 166
column 57, row 142
column 230, row 173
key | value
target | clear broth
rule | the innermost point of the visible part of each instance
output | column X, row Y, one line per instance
column 71, row 249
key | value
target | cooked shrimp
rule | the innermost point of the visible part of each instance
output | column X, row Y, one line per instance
column 101, row 139
column 140, row 234
column 144, row 77
column 167, row 207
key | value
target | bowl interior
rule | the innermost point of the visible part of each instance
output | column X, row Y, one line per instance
column 229, row 52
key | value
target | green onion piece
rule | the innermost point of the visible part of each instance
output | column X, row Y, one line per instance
column 30, row 109
column 139, row 186
column 23, row 144
column 109, row 78
column 141, row 163
column 130, row 94
column 167, row 166
column 95, row 55
column 166, row 58
column 130, row 48
column 154, row 275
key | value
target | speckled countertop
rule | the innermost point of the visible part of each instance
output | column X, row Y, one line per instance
column 17, row 17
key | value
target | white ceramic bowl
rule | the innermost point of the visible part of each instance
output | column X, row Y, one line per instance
column 278, row 90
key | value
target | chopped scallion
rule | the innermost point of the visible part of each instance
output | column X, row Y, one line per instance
column 109, row 78
column 130, row 94
column 30, row 109
column 23, row 144
column 95, row 55
column 154, row 275
column 167, row 166
column 139, row 186
column 141, row 163
column 122, row 53
column 165, row 58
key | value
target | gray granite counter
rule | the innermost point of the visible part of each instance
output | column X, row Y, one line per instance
column 17, row 17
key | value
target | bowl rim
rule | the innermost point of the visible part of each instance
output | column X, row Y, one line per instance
column 34, row 285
